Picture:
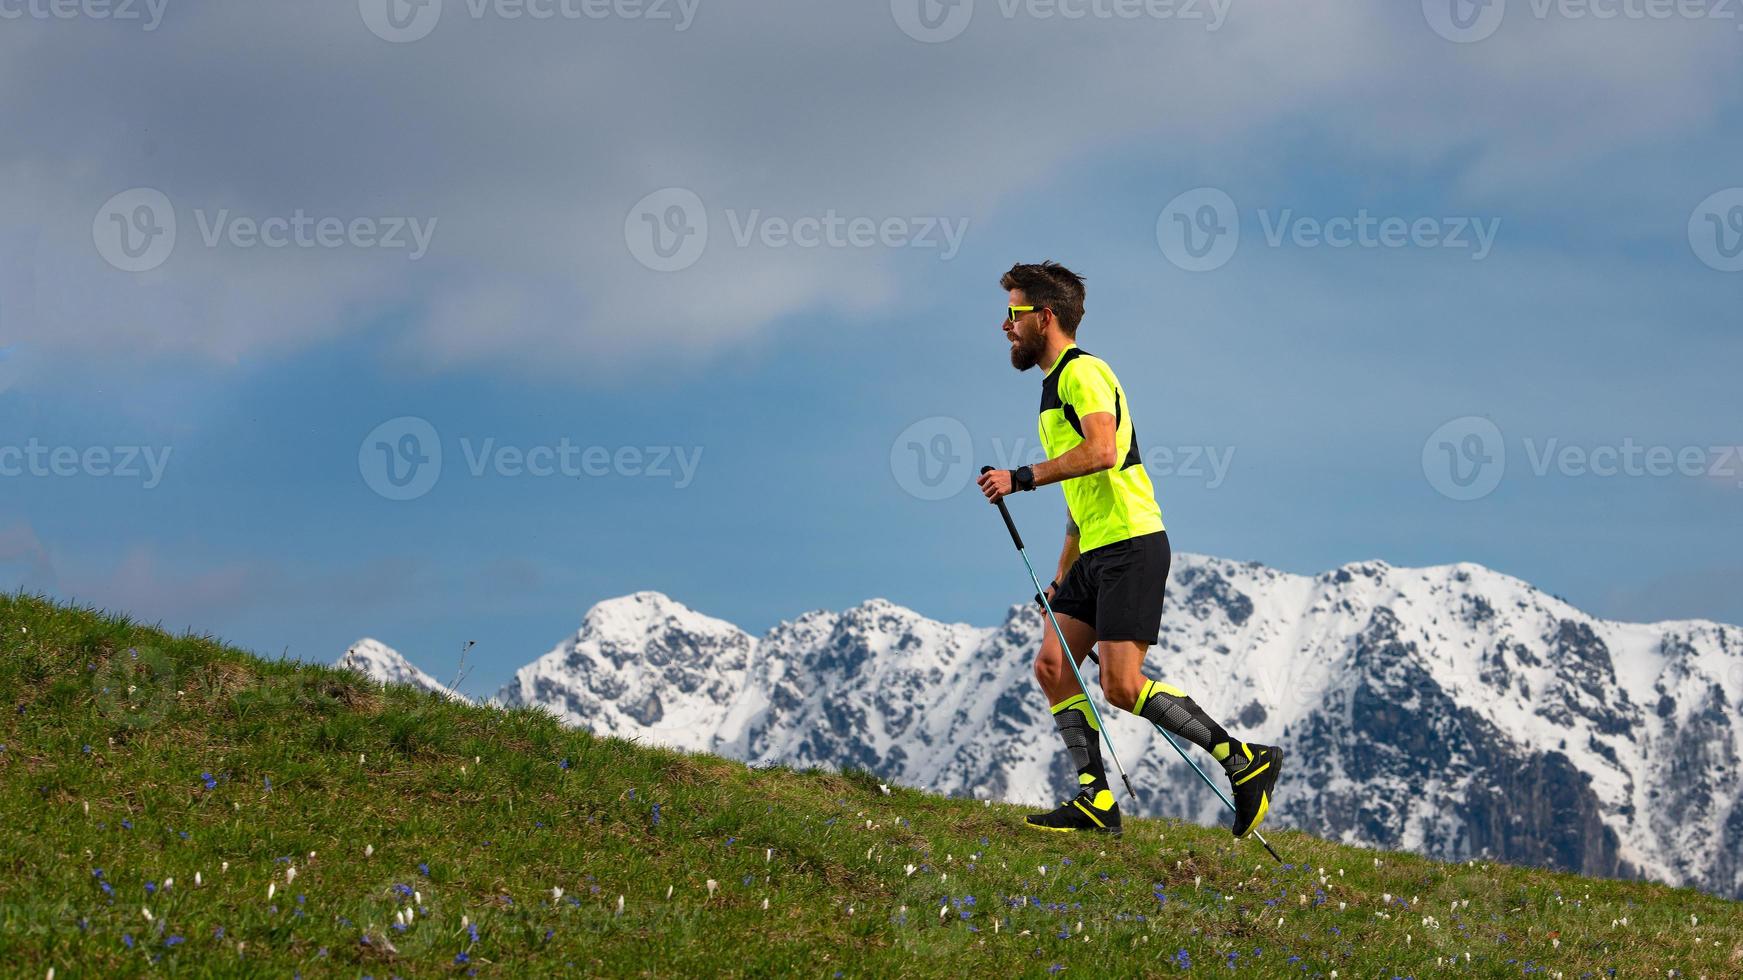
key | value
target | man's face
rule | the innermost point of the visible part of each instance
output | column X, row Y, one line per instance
column 1027, row 341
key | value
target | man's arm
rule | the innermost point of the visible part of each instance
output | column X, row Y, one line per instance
column 1095, row 453
column 1098, row 451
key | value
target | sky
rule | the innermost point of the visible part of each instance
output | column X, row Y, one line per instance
column 438, row 322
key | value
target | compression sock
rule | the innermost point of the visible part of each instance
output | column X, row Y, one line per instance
column 1083, row 740
column 1171, row 708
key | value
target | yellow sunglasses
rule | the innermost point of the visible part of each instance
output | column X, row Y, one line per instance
column 1012, row 312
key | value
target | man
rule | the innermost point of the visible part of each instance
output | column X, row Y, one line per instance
column 1114, row 566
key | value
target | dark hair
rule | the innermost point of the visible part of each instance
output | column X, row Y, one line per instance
column 1051, row 285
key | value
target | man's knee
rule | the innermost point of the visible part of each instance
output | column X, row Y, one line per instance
column 1122, row 692
column 1123, row 689
column 1049, row 664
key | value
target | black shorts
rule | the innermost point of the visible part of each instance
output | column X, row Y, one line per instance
column 1118, row 588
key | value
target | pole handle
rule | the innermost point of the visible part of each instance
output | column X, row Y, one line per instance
column 1005, row 513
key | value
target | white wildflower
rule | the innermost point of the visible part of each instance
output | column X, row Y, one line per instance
column 669, row 892
column 556, row 893
column 943, row 910
column 147, row 913
column 369, row 850
column 271, row 890
column 883, row 789
column 712, row 884
column 197, row 881
column 909, row 869
column 765, row 905
column 167, row 882
column 290, row 874
column 620, row 905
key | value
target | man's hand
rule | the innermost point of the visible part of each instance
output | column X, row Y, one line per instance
column 997, row 485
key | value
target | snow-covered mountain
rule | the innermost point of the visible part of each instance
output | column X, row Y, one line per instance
column 1452, row 711
column 380, row 662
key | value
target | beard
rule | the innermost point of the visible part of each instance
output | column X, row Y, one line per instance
column 1027, row 351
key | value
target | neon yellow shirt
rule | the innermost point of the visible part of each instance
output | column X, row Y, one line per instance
column 1115, row 504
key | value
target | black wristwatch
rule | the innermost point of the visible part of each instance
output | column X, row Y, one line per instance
column 1023, row 478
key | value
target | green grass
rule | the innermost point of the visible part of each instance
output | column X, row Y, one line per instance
column 387, row 799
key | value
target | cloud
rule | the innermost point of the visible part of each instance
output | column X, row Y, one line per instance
column 527, row 144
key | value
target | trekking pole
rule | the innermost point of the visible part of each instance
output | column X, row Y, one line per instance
column 1017, row 539
column 1201, row 775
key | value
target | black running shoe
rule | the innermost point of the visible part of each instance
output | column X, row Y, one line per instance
column 1095, row 812
column 1253, row 785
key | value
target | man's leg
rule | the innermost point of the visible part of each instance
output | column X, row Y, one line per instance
column 1071, row 712
column 1252, row 768
column 1122, row 677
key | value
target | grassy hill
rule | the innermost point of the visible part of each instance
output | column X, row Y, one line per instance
column 171, row 805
